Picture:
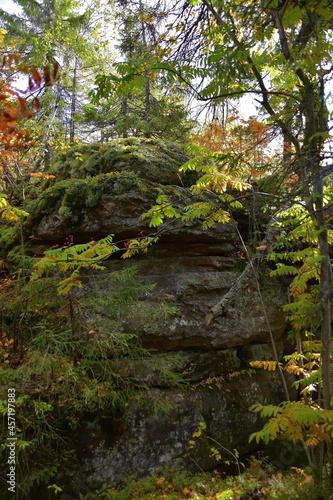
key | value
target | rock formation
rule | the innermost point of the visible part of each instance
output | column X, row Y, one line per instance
column 104, row 190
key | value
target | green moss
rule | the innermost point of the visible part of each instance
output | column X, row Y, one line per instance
column 75, row 195
column 152, row 158
column 9, row 237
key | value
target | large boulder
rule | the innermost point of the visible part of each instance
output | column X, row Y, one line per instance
column 102, row 191
column 113, row 203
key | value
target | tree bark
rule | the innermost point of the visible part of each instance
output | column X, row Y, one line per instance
column 46, row 134
column 325, row 292
column 73, row 104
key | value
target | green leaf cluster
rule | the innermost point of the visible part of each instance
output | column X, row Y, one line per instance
column 295, row 421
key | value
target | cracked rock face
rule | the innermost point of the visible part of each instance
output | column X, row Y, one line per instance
column 192, row 270
column 193, row 285
column 158, row 433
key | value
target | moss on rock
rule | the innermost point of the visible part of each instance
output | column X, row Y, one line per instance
column 152, row 159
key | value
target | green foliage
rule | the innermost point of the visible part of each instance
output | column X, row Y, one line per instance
column 158, row 212
column 167, row 120
column 9, row 236
column 8, row 212
column 295, row 421
column 74, row 259
column 303, row 421
column 129, row 100
column 67, row 32
column 66, row 351
column 221, row 171
column 259, row 478
column 297, row 254
column 217, row 179
column 70, row 348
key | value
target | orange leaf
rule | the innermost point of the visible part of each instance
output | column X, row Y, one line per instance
column 55, row 70
column 23, row 104
column 31, row 85
column 36, row 104
column 47, row 76
column 37, row 77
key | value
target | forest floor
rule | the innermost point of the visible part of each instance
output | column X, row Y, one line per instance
column 258, row 481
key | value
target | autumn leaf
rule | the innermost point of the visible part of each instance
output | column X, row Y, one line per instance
column 36, row 104
column 47, row 77
column 55, row 70
column 36, row 76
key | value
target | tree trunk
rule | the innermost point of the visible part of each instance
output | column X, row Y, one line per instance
column 73, row 104
column 325, row 292
column 46, row 134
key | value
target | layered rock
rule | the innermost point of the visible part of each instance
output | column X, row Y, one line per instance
column 193, row 285
column 106, row 191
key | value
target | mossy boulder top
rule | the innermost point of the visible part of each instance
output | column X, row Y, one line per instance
column 152, row 159
column 100, row 190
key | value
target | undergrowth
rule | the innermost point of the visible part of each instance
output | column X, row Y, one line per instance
column 259, row 481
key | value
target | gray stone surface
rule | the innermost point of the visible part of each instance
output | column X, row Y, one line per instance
column 195, row 284
column 158, row 433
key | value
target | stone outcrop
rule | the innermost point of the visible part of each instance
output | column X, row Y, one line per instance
column 105, row 190
column 158, row 433
column 194, row 283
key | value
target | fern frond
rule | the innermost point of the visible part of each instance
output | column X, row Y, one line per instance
column 10, row 213
column 266, row 365
column 283, row 269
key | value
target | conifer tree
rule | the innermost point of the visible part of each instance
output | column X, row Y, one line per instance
column 60, row 31
column 147, row 109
